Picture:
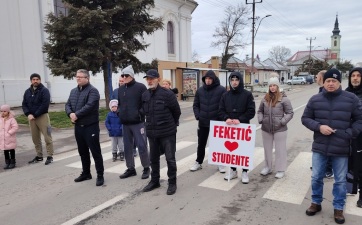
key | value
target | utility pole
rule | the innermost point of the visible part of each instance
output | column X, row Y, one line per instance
column 310, row 51
column 252, row 39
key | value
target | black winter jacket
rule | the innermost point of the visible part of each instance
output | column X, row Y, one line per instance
column 162, row 112
column 339, row 110
column 237, row 103
column 207, row 100
column 85, row 104
column 130, row 102
column 36, row 102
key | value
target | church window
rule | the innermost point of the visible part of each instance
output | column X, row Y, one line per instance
column 335, row 43
column 170, row 38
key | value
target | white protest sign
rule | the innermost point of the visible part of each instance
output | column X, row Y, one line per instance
column 231, row 145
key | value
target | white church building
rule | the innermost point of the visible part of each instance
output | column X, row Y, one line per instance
column 22, row 25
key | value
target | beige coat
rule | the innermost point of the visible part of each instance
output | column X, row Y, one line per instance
column 275, row 119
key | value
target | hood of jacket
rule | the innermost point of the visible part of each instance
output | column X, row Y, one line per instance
column 350, row 86
column 215, row 80
column 241, row 83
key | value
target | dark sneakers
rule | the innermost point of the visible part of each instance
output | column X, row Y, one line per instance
column 121, row 156
column 313, row 209
column 128, row 173
column 100, row 180
column 83, row 177
column 359, row 203
column 36, row 159
column 49, row 160
column 146, row 173
column 338, row 216
column 171, row 189
column 150, row 186
column 114, row 157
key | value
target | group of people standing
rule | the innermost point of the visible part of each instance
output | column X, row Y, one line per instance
column 213, row 102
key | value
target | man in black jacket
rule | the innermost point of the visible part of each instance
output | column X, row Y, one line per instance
column 355, row 161
column 206, row 106
column 129, row 105
column 237, row 106
column 162, row 118
column 35, row 106
column 82, row 108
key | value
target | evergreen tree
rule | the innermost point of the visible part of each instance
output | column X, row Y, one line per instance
column 98, row 35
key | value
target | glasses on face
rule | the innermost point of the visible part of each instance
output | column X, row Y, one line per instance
column 3, row 111
column 79, row 77
column 125, row 75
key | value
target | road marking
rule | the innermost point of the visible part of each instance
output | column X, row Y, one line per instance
column 351, row 207
column 96, row 209
column 66, row 155
column 292, row 188
column 122, row 167
column 217, row 181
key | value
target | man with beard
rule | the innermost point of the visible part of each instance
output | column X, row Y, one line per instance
column 162, row 112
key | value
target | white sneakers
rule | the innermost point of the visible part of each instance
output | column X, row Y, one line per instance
column 195, row 167
column 221, row 169
column 280, row 174
column 244, row 177
column 233, row 174
column 265, row 171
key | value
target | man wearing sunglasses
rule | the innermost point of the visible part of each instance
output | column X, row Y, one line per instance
column 129, row 106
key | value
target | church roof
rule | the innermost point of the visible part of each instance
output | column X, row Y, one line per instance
column 320, row 54
column 336, row 27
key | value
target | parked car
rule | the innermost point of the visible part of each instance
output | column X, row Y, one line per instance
column 309, row 78
column 297, row 80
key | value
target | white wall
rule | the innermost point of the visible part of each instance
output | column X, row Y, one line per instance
column 21, row 47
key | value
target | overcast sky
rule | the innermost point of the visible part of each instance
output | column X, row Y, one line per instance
column 292, row 21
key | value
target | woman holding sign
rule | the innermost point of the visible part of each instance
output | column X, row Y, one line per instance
column 275, row 111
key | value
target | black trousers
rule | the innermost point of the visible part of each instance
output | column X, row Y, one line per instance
column 9, row 154
column 202, row 135
column 168, row 145
column 87, row 138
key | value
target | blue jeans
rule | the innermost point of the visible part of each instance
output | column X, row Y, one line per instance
column 339, row 166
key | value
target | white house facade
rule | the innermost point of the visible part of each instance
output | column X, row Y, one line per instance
column 22, row 23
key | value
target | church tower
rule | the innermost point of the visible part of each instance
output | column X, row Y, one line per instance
column 335, row 43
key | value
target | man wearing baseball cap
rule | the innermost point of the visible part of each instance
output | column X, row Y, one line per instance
column 162, row 112
column 335, row 117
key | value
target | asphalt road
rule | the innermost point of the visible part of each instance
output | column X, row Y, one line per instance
column 39, row 194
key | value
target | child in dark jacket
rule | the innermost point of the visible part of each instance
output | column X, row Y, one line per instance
column 114, row 128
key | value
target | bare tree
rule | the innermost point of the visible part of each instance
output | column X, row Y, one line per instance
column 279, row 53
column 195, row 57
column 228, row 33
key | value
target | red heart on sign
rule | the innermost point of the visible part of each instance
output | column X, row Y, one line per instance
column 231, row 146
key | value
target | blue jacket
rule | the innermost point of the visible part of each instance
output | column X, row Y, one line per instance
column 339, row 110
column 113, row 125
column 36, row 102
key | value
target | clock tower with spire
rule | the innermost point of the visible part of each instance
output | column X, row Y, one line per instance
column 335, row 43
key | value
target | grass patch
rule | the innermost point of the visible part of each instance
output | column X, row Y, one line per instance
column 60, row 119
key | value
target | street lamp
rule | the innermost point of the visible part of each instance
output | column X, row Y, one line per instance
column 252, row 42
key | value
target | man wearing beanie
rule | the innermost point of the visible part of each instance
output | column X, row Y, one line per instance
column 355, row 161
column 35, row 106
column 206, row 106
column 237, row 106
column 129, row 107
column 335, row 117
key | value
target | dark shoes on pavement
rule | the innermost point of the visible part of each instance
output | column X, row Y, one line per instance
column 150, row 186
column 121, row 156
column 36, row 159
column 128, row 173
column 359, row 202
column 9, row 164
column 100, row 180
column 83, row 177
column 313, row 209
column 338, row 216
column 146, row 173
column 114, row 157
column 49, row 160
column 171, row 189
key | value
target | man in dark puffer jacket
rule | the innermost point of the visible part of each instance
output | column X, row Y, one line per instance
column 329, row 115
column 355, row 161
column 206, row 106
column 162, row 118
column 82, row 108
